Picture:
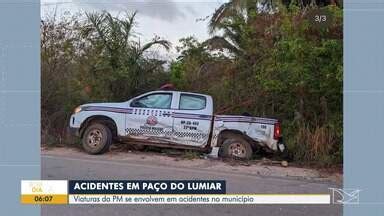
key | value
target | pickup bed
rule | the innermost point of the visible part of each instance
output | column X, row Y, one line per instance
column 174, row 119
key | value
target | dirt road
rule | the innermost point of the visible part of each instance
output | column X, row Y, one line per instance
column 62, row 163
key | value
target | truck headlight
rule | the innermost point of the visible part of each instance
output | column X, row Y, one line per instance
column 77, row 109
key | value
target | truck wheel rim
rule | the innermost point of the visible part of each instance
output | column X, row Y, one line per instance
column 94, row 138
column 237, row 150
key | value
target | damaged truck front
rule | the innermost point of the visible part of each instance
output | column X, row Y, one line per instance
column 174, row 119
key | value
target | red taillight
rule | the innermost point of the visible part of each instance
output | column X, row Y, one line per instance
column 277, row 131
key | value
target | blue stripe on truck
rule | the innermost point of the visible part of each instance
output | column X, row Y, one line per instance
column 109, row 109
column 192, row 116
column 245, row 119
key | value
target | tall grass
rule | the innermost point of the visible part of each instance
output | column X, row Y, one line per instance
column 318, row 145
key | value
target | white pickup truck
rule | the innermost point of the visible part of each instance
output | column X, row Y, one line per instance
column 174, row 119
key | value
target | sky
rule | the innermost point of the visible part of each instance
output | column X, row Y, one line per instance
column 169, row 19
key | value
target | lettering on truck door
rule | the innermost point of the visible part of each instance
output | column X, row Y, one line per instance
column 151, row 117
column 192, row 120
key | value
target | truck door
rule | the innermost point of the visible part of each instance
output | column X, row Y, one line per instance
column 192, row 119
column 151, row 117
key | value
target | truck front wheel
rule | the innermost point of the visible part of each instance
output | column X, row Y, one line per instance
column 237, row 148
column 97, row 138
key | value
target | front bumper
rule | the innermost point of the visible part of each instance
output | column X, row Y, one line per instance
column 74, row 127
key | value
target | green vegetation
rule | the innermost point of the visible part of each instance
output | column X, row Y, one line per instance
column 267, row 60
column 92, row 61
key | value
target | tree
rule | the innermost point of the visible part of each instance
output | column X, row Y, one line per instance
column 124, row 58
column 281, row 65
column 99, row 59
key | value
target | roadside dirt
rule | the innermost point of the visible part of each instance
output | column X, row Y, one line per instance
column 175, row 158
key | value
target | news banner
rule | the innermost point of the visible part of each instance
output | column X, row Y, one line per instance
column 150, row 192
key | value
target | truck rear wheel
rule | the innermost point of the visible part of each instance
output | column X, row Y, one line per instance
column 237, row 148
column 97, row 138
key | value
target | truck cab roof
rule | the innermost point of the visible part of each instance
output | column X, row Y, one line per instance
column 181, row 97
column 174, row 91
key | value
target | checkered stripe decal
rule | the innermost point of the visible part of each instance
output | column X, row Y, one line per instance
column 149, row 132
column 192, row 135
column 141, row 132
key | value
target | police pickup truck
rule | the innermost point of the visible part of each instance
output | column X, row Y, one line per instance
column 174, row 119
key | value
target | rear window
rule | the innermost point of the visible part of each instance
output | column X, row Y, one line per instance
column 192, row 102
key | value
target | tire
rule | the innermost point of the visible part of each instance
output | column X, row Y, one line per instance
column 236, row 147
column 97, row 139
